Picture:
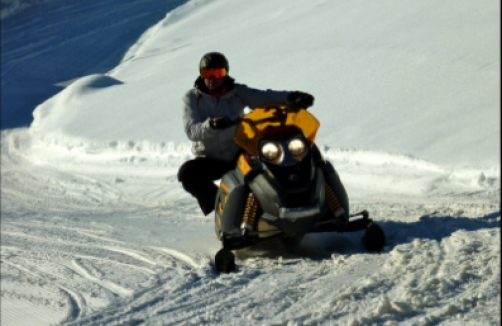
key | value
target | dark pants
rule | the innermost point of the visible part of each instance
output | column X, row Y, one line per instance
column 197, row 178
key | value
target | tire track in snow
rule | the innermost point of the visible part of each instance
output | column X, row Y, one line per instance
column 180, row 256
column 76, row 301
column 117, row 289
column 292, row 288
column 87, row 246
column 108, row 261
column 182, row 285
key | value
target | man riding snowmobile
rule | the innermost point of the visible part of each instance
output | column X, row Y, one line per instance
column 209, row 110
column 274, row 181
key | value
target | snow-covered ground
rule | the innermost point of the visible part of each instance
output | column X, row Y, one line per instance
column 96, row 230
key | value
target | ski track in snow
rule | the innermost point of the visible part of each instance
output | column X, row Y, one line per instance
column 63, row 259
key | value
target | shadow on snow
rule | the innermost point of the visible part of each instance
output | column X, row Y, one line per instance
column 322, row 245
column 55, row 42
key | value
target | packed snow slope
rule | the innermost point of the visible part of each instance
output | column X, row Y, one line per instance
column 420, row 79
column 96, row 230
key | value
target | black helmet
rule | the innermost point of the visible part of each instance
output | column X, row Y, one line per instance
column 213, row 60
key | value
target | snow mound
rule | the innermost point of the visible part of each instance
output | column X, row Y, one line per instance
column 364, row 173
column 62, row 111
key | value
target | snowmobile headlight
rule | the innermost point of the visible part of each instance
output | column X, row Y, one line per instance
column 296, row 147
column 271, row 151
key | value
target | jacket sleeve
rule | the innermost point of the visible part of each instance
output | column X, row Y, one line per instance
column 196, row 128
column 255, row 98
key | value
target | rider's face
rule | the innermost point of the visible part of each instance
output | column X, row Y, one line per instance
column 213, row 83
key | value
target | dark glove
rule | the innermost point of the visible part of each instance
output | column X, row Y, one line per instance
column 220, row 122
column 300, row 99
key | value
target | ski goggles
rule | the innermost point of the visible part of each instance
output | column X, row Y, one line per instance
column 206, row 73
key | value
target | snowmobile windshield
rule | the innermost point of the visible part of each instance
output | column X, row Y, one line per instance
column 274, row 121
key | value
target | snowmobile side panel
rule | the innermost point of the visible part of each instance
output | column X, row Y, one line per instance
column 229, row 204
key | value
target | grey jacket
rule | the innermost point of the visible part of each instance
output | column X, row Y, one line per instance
column 199, row 107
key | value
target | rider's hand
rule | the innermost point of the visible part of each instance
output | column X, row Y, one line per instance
column 300, row 99
column 220, row 122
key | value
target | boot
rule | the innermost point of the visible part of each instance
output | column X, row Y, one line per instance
column 206, row 205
